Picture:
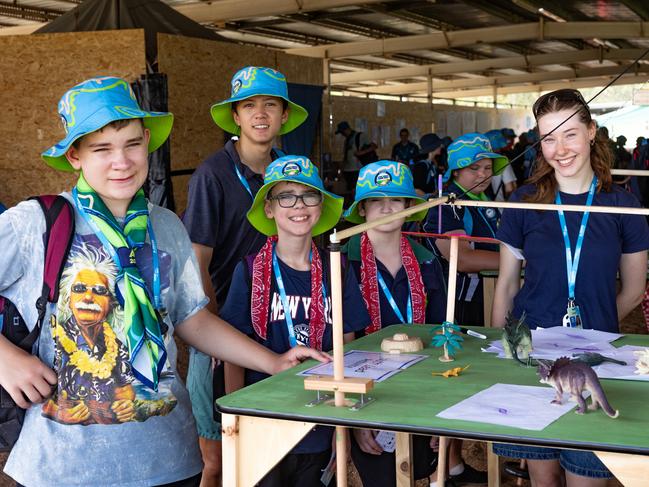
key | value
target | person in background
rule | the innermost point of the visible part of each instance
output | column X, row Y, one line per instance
column 504, row 184
column 425, row 168
column 358, row 150
column 404, row 150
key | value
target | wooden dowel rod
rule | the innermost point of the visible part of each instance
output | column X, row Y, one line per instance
column 348, row 232
column 551, row 207
column 337, row 314
column 630, row 172
column 452, row 280
column 441, row 461
column 341, row 457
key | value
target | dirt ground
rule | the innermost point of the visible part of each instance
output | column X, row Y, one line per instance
column 473, row 452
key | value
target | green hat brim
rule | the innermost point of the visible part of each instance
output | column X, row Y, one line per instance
column 352, row 215
column 158, row 123
column 222, row 114
column 332, row 208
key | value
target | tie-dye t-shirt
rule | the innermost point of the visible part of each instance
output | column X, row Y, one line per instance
column 101, row 426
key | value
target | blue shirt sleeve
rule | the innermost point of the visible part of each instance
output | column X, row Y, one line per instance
column 236, row 309
column 355, row 315
column 203, row 215
column 511, row 229
column 635, row 231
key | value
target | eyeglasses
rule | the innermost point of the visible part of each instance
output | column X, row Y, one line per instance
column 80, row 288
column 288, row 200
column 566, row 95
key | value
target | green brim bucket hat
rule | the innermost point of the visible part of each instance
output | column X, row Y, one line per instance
column 95, row 103
column 294, row 169
column 257, row 81
column 470, row 148
column 384, row 179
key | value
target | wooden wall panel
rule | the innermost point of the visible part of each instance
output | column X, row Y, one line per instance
column 35, row 71
column 199, row 73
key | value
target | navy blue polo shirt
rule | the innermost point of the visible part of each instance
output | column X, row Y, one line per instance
column 405, row 153
column 432, row 275
column 216, row 213
column 544, row 295
column 477, row 222
column 236, row 311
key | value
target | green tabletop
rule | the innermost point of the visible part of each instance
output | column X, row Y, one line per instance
column 410, row 400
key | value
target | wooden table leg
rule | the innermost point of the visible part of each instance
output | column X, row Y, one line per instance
column 253, row 446
column 493, row 466
column 631, row 470
column 488, row 292
column 403, row 460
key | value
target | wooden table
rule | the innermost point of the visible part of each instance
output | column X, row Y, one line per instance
column 262, row 423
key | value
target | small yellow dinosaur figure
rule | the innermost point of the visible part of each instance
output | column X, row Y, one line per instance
column 452, row 372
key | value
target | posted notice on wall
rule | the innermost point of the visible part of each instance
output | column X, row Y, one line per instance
column 369, row 365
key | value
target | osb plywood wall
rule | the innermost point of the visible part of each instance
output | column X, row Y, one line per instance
column 382, row 121
column 35, row 71
column 199, row 73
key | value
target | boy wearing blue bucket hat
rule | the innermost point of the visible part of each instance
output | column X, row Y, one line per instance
column 471, row 163
column 104, row 402
column 401, row 282
column 291, row 302
column 221, row 191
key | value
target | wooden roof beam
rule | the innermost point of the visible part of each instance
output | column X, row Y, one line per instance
column 224, row 10
column 513, row 62
column 564, row 74
column 484, row 35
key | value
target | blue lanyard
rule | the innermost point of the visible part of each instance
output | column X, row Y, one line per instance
column 243, row 180
column 573, row 264
column 157, row 300
column 392, row 302
column 282, row 294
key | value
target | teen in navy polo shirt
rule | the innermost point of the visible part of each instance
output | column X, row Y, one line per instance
column 281, row 297
column 401, row 282
column 470, row 166
column 574, row 168
column 220, row 193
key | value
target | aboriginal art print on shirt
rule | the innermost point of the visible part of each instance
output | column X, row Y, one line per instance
column 96, row 384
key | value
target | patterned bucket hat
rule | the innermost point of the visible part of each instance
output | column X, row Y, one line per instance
column 496, row 139
column 255, row 81
column 384, row 179
column 95, row 103
column 295, row 169
column 470, row 148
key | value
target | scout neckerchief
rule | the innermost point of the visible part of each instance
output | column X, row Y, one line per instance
column 262, row 273
column 491, row 221
column 572, row 318
column 370, row 285
column 141, row 326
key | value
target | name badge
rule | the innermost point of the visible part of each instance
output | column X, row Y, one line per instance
column 572, row 318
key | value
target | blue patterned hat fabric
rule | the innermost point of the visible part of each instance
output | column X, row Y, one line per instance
column 256, row 81
column 470, row 148
column 95, row 103
column 496, row 139
column 295, row 169
column 384, row 179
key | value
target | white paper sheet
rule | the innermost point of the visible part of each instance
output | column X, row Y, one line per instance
column 369, row 365
column 525, row 407
column 625, row 372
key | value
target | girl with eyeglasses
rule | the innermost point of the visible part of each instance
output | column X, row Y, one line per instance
column 572, row 259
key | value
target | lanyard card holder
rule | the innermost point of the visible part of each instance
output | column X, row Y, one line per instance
column 572, row 318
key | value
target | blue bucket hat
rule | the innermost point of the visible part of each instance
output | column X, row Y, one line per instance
column 384, row 179
column 470, row 148
column 294, row 169
column 256, row 81
column 496, row 139
column 95, row 103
